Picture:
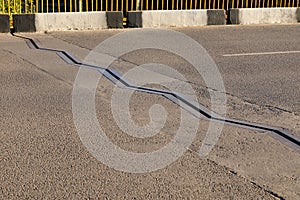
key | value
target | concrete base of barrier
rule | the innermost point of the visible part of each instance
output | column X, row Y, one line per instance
column 298, row 14
column 67, row 21
column 134, row 19
column 114, row 19
column 264, row 15
column 24, row 22
column 4, row 23
column 176, row 18
column 216, row 17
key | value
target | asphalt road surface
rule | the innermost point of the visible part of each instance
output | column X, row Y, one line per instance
column 45, row 156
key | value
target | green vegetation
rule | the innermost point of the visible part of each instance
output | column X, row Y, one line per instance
column 16, row 6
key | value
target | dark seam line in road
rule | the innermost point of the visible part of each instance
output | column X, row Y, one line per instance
column 248, row 125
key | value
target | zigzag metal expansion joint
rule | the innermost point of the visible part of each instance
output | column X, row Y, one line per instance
column 197, row 110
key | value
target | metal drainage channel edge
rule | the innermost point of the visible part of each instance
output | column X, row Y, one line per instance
column 195, row 109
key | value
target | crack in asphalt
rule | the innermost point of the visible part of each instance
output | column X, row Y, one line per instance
column 195, row 109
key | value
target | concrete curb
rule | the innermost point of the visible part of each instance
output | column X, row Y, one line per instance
column 67, row 21
column 264, row 15
column 4, row 23
column 175, row 18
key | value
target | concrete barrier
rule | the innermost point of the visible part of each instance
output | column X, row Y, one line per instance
column 67, row 21
column 114, row 19
column 175, row 18
column 24, row 22
column 298, row 15
column 4, row 23
column 264, row 15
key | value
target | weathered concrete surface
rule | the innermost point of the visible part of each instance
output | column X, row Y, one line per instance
column 4, row 23
column 263, row 15
column 60, row 21
column 114, row 19
column 216, row 17
column 24, row 22
column 176, row 18
column 69, row 21
column 134, row 19
column 234, row 16
column 298, row 14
